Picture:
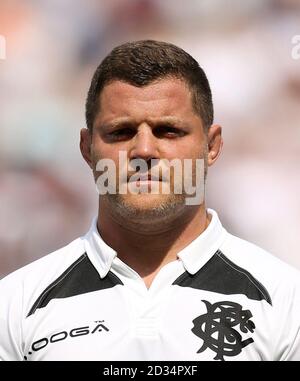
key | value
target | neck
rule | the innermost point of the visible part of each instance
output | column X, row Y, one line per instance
column 147, row 251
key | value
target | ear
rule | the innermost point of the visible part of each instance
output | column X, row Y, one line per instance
column 215, row 143
column 85, row 145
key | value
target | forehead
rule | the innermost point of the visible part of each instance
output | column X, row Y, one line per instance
column 164, row 97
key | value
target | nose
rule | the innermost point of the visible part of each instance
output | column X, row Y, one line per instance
column 144, row 144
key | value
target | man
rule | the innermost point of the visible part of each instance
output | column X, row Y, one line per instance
column 156, row 277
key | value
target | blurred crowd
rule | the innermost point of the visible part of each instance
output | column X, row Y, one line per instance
column 47, row 193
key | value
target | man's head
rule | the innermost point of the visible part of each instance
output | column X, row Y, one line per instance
column 152, row 100
column 142, row 62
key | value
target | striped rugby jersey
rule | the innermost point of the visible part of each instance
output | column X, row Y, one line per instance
column 223, row 299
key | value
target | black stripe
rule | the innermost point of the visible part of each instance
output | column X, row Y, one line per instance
column 221, row 275
column 79, row 278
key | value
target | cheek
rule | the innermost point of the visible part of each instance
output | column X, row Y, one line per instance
column 100, row 150
column 111, row 155
column 190, row 150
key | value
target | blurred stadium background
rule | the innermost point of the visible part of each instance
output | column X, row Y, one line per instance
column 47, row 194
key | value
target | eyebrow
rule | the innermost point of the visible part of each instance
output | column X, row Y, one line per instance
column 153, row 122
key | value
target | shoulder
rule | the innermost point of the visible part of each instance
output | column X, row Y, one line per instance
column 25, row 284
column 277, row 276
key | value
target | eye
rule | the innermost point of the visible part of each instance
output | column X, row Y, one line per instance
column 121, row 134
column 168, row 131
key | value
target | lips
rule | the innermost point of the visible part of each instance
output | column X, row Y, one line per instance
column 147, row 177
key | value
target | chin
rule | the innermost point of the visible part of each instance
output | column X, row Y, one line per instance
column 146, row 201
column 147, row 207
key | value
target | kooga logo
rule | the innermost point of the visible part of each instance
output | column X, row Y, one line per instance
column 63, row 335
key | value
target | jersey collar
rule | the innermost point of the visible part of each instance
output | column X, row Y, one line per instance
column 100, row 254
column 193, row 256
column 199, row 251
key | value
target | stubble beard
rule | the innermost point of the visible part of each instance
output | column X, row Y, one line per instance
column 147, row 215
column 167, row 209
column 156, row 214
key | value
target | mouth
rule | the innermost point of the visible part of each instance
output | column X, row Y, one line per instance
column 143, row 178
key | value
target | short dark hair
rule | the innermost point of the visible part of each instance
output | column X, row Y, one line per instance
column 141, row 62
